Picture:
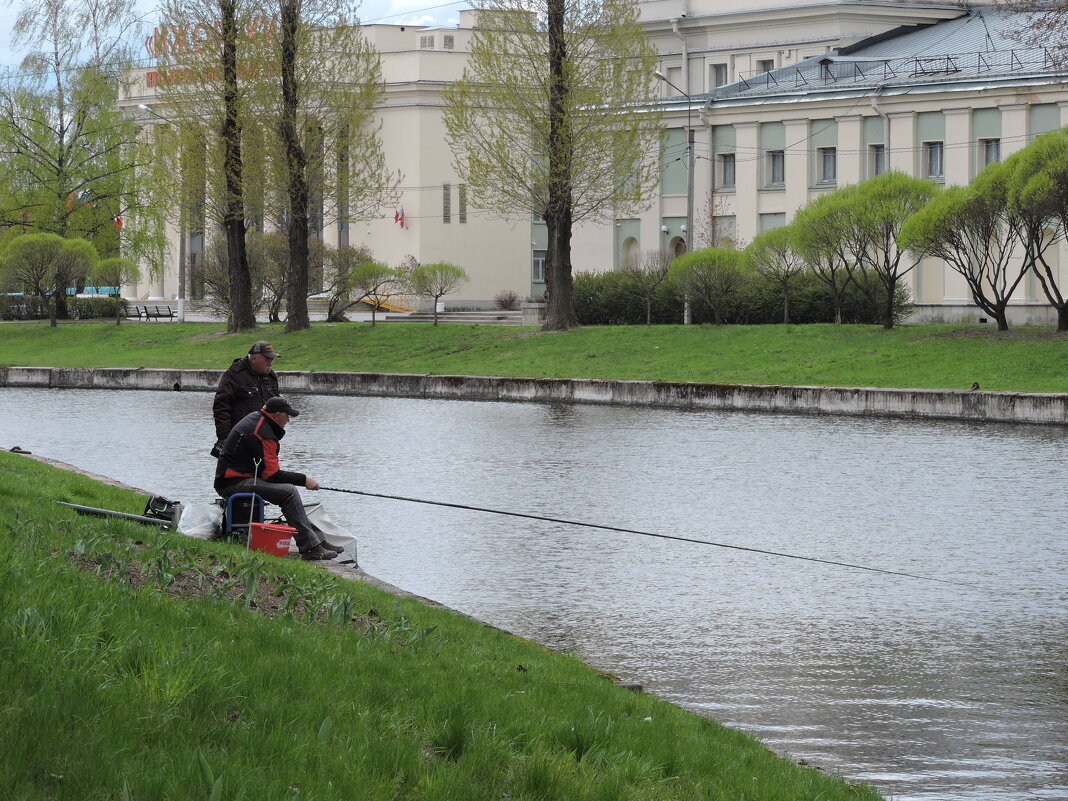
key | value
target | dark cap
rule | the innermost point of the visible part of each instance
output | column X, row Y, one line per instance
column 263, row 348
column 280, row 404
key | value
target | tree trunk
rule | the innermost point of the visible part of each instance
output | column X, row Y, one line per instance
column 888, row 310
column 241, row 317
column 785, row 304
column 297, row 175
column 1062, row 317
column 560, row 310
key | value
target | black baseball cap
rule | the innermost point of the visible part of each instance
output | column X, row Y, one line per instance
column 263, row 348
column 280, row 404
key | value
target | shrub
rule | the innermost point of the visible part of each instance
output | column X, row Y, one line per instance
column 507, row 299
column 92, row 308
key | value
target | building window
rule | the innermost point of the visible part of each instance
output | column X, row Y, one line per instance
column 461, row 192
column 828, row 165
column 446, row 203
column 989, row 152
column 717, row 75
column 769, row 222
column 775, row 167
column 726, row 170
column 934, row 160
column 537, row 270
column 447, row 41
column 876, row 160
column 426, row 42
column 766, row 65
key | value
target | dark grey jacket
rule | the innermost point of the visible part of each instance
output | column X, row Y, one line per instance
column 240, row 393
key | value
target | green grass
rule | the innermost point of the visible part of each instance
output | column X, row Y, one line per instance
column 937, row 357
column 114, row 690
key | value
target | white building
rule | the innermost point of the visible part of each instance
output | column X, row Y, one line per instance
column 788, row 101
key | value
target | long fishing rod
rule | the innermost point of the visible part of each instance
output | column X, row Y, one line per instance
column 650, row 534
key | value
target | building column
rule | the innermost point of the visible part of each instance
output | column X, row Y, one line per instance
column 959, row 147
column 1014, row 125
column 901, row 152
column 798, row 166
column 851, row 151
column 747, row 179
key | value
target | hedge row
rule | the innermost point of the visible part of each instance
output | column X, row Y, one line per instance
column 30, row 307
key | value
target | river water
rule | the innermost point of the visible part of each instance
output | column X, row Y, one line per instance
column 926, row 690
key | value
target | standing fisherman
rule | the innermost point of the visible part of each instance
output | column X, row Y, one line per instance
column 244, row 388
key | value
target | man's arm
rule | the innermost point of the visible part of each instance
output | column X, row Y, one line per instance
column 222, row 405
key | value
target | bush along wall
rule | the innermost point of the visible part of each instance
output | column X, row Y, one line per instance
column 615, row 298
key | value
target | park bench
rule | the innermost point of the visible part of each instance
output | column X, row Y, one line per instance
column 154, row 313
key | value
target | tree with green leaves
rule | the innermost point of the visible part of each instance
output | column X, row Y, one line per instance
column 45, row 265
column 339, row 271
column 116, row 272
column 775, row 257
column 711, row 276
column 70, row 157
column 375, row 283
column 820, row 234
column 435, row 281
column 1038, row 193
column 978, row 235
column 547, row 121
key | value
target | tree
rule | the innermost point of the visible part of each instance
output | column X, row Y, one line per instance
column 775, row 257
column 434, row 281
column 976, row 232
column 648, row 273
column 546, row 121
column 820, row 235
column 341, row 264
column 374, row 282
column 711, row 275
column 116, row 272
column 1038, row 192
column 70, row 157
column 875, row 212
column 46, row 264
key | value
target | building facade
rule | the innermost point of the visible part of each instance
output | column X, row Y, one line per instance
column 787, row 101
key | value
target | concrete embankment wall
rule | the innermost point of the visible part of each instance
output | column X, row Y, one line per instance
column 1009, row 407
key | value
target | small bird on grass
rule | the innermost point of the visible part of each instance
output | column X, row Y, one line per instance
column 975, row 386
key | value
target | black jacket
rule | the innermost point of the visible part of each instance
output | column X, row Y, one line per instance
column 241, row 392
column 251, row 450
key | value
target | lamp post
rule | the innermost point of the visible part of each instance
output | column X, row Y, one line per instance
column 689, row 178
column 181, row 233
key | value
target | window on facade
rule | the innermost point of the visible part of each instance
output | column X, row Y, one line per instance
column 775, row 168
column 537, row 267
column 446, row 203
column 989, row 152
column 766, row 65
column 717, row 75
column 426, row 42
column 876, row 160
column 448, row 41
column 934, row 159
column 726, row 170
column 828, row 165
column 461, row 192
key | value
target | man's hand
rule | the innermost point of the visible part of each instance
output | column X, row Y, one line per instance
column 217, row 449
column 310, row 483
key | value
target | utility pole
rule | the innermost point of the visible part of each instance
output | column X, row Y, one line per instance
column 689, row 177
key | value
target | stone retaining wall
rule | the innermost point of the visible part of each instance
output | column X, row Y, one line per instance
column 1011, row 407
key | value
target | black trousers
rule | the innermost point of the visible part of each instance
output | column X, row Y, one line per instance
column 288, row 498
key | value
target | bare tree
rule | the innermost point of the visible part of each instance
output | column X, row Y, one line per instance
column 648, row 273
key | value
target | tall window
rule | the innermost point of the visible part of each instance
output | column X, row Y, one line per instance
column 828, row 165
column 461, row 192
column 537, row 267
column 876, row 160
column 934, row 160
column 717, row 75
column 989, row 152
column 726, row 170
column 775, row 168
column 446, row 203
column 766, row 65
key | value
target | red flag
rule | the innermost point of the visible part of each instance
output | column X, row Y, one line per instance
column 400, row 218
column 118, row 222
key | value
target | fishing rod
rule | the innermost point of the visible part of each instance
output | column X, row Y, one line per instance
column 674, row 537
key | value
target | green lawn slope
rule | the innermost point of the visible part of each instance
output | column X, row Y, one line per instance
column 138, row 665
column 936, row 357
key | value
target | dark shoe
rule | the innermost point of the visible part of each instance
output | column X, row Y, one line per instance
column 317, row 554
column 326, row 546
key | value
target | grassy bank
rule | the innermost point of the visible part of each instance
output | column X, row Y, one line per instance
column 141, row 665
column 936, row 357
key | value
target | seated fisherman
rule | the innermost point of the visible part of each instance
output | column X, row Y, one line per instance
column 249, row 463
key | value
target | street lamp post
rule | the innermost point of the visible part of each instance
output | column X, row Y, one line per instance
column 181, row 235
column 689, row 178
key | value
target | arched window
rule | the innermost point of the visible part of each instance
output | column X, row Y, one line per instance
column 631, row 252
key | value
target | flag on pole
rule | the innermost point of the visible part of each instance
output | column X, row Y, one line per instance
column 398, row 217
column 118, row 222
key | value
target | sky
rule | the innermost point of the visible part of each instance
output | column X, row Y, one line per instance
column 390, row 12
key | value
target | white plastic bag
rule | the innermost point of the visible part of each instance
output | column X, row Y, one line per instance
column 201, row 520
column 332, row 533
